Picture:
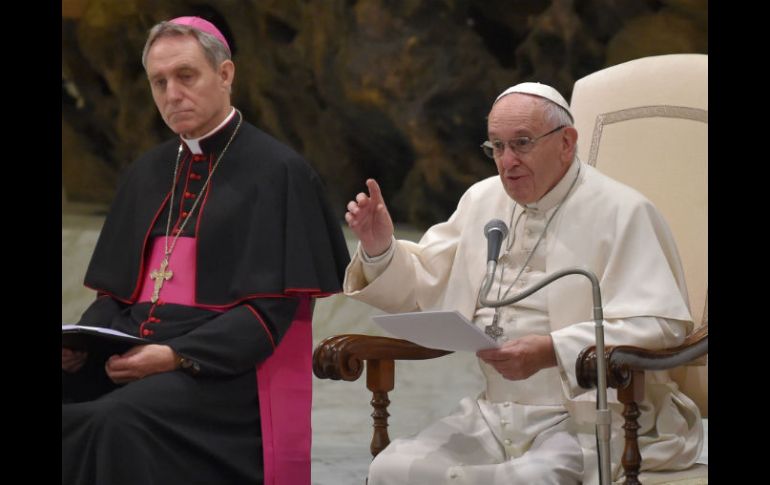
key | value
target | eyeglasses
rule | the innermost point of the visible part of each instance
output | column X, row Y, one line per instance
column 520, row 145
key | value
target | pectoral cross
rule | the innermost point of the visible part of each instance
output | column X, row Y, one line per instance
column 160, row 275
column 494, row 329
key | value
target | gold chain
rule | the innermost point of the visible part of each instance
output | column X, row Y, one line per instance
column 169, row 250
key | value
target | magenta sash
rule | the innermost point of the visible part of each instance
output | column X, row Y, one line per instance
column 284, row 379
column 180, row 289
column 285, row 398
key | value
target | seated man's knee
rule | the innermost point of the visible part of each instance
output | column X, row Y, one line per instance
column 383, row 465
column 113, row 414
column 547, row 472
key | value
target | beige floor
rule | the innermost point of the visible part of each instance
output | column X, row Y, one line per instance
column 424, row 392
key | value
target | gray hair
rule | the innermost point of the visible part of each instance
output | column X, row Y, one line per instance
column 555, row 115
column 216, row 53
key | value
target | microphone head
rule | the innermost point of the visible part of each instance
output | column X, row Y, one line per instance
column 496, row 225
column 495, row 231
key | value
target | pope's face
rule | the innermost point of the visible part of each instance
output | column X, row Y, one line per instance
column 529, row 176
column 191, row 96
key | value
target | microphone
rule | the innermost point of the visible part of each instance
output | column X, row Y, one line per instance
column 495, row 231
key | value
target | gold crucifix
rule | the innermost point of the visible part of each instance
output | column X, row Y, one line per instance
column 159, row 275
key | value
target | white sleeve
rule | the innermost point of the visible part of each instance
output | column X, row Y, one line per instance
column 375, row 266
column 413, row 276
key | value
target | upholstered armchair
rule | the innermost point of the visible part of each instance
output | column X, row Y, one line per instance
column 644, row 123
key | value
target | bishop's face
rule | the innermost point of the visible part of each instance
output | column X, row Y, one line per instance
column 191, row 96
column 527, row 177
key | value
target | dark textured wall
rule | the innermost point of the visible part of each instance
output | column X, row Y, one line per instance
column 396, row 90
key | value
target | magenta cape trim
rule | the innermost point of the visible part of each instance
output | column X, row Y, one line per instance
column 285, row 398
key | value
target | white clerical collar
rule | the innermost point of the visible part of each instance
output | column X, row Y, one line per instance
column 194, row 143
column 558, row 192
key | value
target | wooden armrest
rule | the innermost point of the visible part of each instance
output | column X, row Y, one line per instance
column 622, row 360
column 625, row 372
column 342, row 356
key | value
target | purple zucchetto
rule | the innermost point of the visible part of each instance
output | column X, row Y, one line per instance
column 202, row 25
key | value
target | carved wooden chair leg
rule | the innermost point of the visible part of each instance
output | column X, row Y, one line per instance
column 344, row 357
column 380, row 380
column 630, row 395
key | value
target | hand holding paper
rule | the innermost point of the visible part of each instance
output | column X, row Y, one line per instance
column 521, row 357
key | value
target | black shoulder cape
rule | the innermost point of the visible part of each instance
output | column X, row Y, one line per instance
column 265, row 229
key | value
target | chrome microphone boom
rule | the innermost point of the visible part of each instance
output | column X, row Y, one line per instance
column 603, row 416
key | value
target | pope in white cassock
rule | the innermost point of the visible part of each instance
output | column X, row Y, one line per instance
column 533, row 424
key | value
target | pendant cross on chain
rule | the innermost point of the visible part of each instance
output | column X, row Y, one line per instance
column 494, row 330
column 160, row 275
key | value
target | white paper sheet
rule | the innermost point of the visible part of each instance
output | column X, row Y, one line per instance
column 85, row 338
column 436, row 330
column 98, row 330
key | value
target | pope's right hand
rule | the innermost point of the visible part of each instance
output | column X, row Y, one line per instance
column 370, row 221
column 72, row 360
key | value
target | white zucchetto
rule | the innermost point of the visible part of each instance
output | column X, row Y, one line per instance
column 538, row 89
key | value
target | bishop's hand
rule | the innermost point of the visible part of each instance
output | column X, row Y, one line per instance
column 72, row 360
column 370, row 221
column 140, row 361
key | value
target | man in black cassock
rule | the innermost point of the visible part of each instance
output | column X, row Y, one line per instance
column 217, row 240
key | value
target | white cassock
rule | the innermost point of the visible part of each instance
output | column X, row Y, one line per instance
column 542, row 429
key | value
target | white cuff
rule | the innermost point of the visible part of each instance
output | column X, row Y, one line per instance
column 375, row 266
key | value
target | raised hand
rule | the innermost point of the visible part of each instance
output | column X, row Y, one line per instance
column 369, row 219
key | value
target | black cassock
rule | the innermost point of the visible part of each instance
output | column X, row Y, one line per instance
column 265, row 235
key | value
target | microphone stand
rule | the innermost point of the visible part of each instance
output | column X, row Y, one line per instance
column 603, row 416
